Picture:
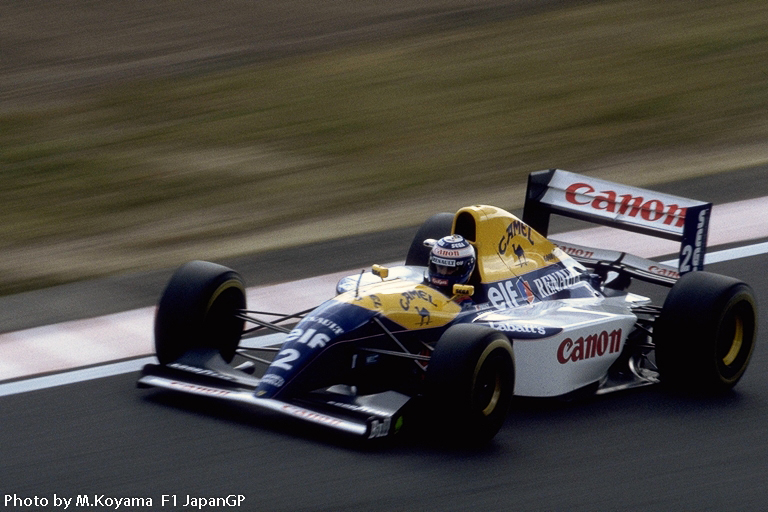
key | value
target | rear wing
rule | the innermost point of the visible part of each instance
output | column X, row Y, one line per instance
column 629, row 208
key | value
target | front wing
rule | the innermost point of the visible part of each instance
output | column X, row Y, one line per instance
column 204, row 373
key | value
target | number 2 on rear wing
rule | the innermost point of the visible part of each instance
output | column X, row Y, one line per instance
column 621, row 206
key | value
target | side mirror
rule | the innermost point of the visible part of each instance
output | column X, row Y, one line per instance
column 463, row 290
column 380, row 271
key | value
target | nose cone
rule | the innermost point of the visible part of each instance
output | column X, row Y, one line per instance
column 328, row 324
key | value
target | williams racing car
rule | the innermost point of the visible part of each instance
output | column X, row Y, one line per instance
column 485, row 308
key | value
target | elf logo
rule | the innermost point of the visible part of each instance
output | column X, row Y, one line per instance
column 510, row 293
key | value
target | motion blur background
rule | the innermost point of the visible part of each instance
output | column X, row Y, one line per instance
column 139, row 135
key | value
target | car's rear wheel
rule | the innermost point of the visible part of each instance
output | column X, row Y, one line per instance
column 435, row 227
column 198, row 310
column 470, row 383
column 705, row 333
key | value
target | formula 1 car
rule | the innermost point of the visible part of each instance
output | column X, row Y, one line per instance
column 536, row 318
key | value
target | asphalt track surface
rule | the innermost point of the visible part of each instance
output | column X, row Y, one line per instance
column 644, row 449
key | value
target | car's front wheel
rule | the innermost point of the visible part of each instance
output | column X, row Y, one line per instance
column 470, row 383
column 198, row 309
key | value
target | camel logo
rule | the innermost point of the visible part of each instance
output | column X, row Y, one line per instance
column 515, row 228
column 520, row 254
column 424, row 314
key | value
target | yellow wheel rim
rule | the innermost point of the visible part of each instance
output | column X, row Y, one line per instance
column 494, row 397
column 497, row 378
column 738, row 339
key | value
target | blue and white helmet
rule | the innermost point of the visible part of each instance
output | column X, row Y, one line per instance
column 451, row 261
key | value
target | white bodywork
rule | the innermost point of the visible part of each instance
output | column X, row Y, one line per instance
column 592, row 338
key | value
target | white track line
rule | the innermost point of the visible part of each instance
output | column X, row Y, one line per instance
column 112, row 369
column 129, row 334
column 78, row 343
column 105, row 370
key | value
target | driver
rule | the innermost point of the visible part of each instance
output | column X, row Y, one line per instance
column 451, row 261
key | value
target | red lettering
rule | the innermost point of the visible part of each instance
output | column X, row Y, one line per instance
column 594, row 345
column 652, row 210
column 675, row 212
column 602, row 343
column 572, row 191
column 591, row 342
column 564, row 351
column 605, row 202
column 627, row 201
column 615, row 341
column 663, row 272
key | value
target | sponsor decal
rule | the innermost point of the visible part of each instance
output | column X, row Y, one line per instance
column 424, row 316
column 379, row 428
column 510, row 293
column 588, row 347
column 525, row 289
column 664, row 272
column 533, row 286
column 504, row 294
column 445, row 253
column 408, row 304
column 329, row 324
column 515, row 228
column 609, row 201
column 525, row 331
column 576, row 252
column 410, row 296
column 199, row 390
column 375, row 300
column 355, row 407
column 200, row 371
column 691, row 255
column 310, row 337
column 273, row 380
column 556, row 281
column 443, row 262
column 407, row 299
column 315, row 417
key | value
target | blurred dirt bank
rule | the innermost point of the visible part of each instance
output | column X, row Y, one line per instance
column 58, row 52
column 51, row 48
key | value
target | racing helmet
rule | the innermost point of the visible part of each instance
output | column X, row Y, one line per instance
column 451, row 261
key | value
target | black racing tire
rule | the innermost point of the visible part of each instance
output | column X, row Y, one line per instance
column 198, row 310
column 436, row 227
column 706, row 333
column 470, row 384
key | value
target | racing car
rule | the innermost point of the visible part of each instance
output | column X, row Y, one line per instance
column 484, row 308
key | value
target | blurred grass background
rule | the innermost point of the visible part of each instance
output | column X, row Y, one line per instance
column 210, row 162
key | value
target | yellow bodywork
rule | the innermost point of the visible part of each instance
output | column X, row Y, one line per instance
column 413, row 307
column 505, row 245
